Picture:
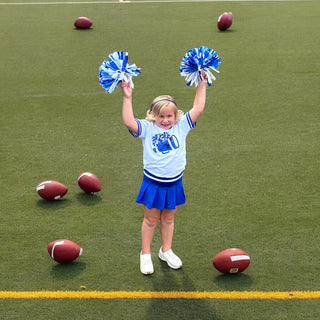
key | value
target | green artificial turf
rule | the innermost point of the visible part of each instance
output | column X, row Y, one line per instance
column 252, row 177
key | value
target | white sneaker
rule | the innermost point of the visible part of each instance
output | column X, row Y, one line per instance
column 170, row 258
column 146, row 266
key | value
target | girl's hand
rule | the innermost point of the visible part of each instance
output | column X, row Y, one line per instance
column 126, row 89
column 203, row 79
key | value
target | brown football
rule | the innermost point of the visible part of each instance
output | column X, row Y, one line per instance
column 83, row 23
column 224, row 21
column 231, row 260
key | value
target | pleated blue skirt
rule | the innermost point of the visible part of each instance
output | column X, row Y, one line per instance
column 160, row 195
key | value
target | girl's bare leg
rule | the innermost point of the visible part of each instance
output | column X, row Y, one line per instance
column 167, row 228
column 149, row 224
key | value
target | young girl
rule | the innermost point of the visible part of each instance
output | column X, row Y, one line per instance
column 163, row 135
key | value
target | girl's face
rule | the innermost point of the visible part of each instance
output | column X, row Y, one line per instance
column 166, row 118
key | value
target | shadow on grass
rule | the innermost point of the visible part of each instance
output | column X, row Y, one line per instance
column 88, row 199
column 65, row 271
column 56, row 204
column 233, row 282
column 177, row 280
column 83, row 30
column 226, row 31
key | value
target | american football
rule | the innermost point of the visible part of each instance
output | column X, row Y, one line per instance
column 64, row 251
column 231, row 260
column 83, row 23
column 224, row 21
column 51, row 190
column 89, row 182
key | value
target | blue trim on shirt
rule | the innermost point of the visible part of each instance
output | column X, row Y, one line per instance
column 162, row 179
column 192, row 125
column 139, row 129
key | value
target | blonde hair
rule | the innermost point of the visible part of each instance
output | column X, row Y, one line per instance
column 158, row 104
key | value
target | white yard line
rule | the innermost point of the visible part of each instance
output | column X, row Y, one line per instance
column 138, row 1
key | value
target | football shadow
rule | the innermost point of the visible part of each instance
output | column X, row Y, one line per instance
column 64, row 271
column 233, row 282
column 56, row 204
column 88, row 199
column 227, row 30
column 84, row 29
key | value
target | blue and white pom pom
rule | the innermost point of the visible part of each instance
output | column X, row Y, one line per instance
column 197, row 60
column 115, row 70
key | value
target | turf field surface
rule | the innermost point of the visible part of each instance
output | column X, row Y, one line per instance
column 252, row 178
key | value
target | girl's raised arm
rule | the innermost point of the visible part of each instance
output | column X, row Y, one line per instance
column 200, row 99
column 127, row 111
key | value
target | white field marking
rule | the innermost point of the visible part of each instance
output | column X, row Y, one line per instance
column 138, row 1
column 47, row 95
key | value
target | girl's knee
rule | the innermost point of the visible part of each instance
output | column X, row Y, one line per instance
column 151, row 222
column 168, row 217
